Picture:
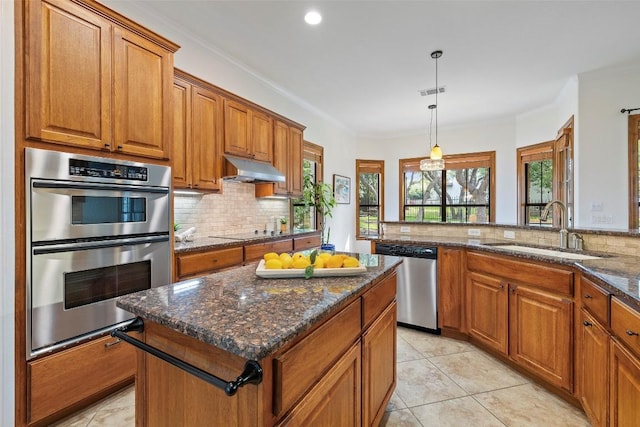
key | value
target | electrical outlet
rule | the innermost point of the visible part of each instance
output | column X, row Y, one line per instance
column 597, row 207
column 474, row 242
column 474, row 232
column 509, row 234
column 405, row 229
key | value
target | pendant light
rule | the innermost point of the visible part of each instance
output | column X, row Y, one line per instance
column 435, row 160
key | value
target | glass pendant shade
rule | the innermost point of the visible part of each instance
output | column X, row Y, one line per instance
column 436, row 152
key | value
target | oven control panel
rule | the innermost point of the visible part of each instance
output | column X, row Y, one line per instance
column 107, row 170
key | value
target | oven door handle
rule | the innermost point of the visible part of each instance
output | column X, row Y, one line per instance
column 82, row 246
column 102, row 187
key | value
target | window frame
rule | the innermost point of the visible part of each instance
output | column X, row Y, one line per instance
column 484, row 159
column 526, row 155
column 369, row 166
column 313, row 153
column 634, row 196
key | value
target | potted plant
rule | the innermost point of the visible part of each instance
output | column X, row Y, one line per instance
column 283, row 224
column 320, row 196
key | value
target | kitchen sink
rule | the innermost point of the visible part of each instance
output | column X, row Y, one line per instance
column 545, row 252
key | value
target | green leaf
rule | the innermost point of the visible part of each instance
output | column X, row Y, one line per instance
column 308, row 272
column 313, row 255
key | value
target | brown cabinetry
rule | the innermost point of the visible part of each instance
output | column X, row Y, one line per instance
column 193, row 264
column 198, row 131
column 287, row 149
column 523, row 310
column 71, row 377
column 593, row 369
column 248, row 132
column 256, row 251
column 306, row 242
column 95, row 80
column 624, row 389
column 451, row 289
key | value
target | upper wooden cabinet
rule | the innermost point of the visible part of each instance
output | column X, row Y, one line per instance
column 94, row 79
column 287, row 158
column 197, row 134
column 248, row 132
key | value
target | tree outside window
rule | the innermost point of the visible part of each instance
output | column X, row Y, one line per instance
column 369, row 204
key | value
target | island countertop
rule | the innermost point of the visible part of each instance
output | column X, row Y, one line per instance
column 249, row 316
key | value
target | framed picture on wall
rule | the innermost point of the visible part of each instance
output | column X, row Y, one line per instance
column 342, row 189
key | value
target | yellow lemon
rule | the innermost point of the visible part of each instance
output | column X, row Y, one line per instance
column 301, row 262
column 350, row 262
column 297, row 255
column 325, row 255
column 335, row 261
column 273, row 264
column 270, row 255
column 320, row 263
column 287, row 262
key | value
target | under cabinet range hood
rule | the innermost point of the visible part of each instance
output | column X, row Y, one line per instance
column 239, row 169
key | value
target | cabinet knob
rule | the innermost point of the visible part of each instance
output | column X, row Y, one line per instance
column 585, row 323
column 587, row 296
column 631, row 333
column 119, row 147
column 112, row 343
column 106, row 146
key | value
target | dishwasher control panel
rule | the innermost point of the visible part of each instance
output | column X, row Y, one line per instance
column 412, row 251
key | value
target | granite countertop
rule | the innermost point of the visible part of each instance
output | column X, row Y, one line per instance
column 620, row 274
column 233, row 240
column 246, row 315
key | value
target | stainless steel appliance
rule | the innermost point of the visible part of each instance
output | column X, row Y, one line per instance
column 97, row 228
column 417, row 285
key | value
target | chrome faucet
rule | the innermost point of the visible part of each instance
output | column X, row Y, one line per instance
column 564, row 219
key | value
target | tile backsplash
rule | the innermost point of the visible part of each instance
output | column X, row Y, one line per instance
column 235, row 210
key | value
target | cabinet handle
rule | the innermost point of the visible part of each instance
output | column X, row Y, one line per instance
column 112, row 343
column 631, row 333
column 587, row 296
column 585, row 323
column 501, row 286
column 106, row 146
column 119, row 147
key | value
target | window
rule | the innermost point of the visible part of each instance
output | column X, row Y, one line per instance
column 535, row 183
column 460, row 193
column 305, row 218
column 369, row 203
column 545, row 173
column 634, row 175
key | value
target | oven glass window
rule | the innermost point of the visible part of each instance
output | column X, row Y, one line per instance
column 106, row 210
column 99, row 284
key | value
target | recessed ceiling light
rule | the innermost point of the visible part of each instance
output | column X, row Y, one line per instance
column 313, row 18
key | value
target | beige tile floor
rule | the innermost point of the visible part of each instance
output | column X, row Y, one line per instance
column 441, row 382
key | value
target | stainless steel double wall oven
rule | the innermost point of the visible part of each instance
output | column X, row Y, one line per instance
column 97, row 228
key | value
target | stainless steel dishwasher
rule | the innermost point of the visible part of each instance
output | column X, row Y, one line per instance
column 417, row 285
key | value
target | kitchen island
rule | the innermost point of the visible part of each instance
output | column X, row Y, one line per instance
column 326, row 348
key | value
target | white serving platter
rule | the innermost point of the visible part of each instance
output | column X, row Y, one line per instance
column 299, row 272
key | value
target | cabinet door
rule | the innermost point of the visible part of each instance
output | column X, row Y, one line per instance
column 281, row 147
column 181, row 147
column 487, row 303
column 236, row 129
column 540, row 334
column 143, row 76
column 206, row 128
column 68, row 75
column 261, row 136
column 593, row 372
column 378, row 366
column 294, row 174
column 624, row 410
column 335, row 400
column 451, row 289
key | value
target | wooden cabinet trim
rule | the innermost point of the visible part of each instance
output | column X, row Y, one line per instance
column 377, row 299
column 625, row 324
column 205, row 262
column 595, row 299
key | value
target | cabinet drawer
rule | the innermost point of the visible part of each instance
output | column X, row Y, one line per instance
column 541, row 276
column 256, row 251
column 206, row 262
column 377, row 299
column 307, row 242
column 625, row 324
column 298, row 368
column 595, row 299
column 61, row 380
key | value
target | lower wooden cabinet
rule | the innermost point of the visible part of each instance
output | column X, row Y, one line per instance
column 256, row 251
column 306, row 242
column 76, row 376
column 487, row 310
column 451, row 289
column 624, row 410
column 378, row 366
column 540, row 334
column 335, row 400
column 593, row 369
column 193, row 264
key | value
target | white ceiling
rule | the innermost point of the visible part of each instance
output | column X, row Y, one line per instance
column 367, row 60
